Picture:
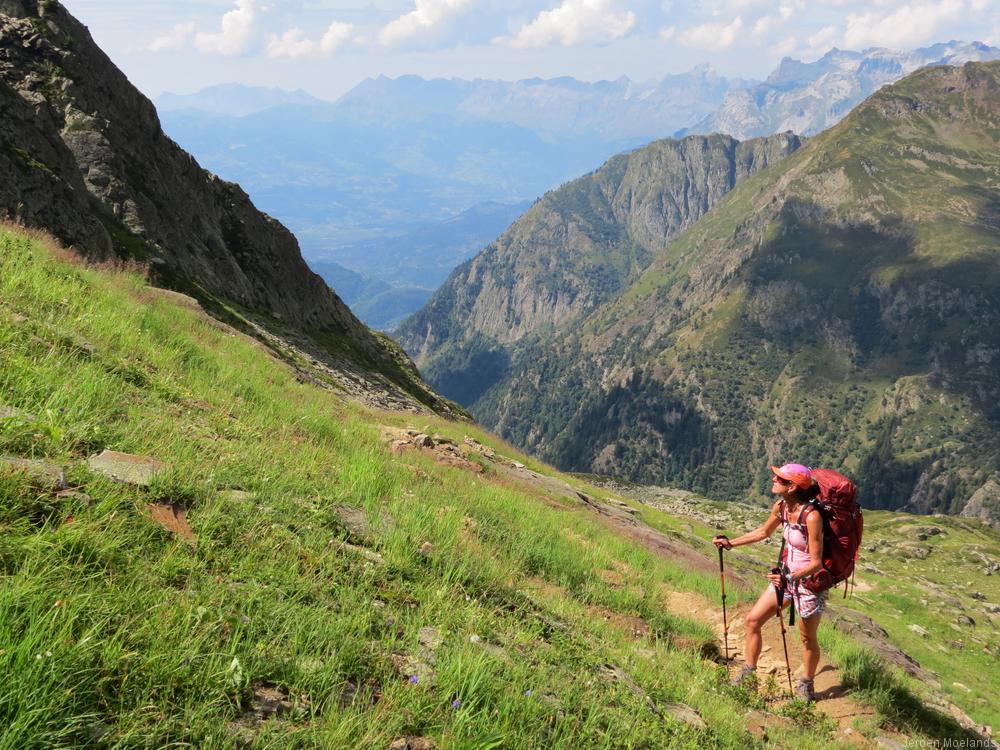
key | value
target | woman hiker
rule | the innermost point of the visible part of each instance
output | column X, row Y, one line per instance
column 803, row 534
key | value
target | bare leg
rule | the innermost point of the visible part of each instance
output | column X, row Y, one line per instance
column 808, row 629
column 765, row 608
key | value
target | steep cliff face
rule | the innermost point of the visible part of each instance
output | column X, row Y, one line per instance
column 83, row 156
column 576, row 248
column 841, row 308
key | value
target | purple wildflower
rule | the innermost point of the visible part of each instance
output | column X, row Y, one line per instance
column 457, row 703
column 527, row 693
column 414, row 679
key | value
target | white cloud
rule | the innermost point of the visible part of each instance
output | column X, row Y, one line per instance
column 786, row 10
column 667, row 33
column 908, row 25
column 295, row 43
column 175, row 39
column 421, row 21
column 786, row 47
column 574, row 22
column 762, row 25
column 822, row 40
column 729, row 7
column 236, row 33
column 712, row 36
column 823, row 37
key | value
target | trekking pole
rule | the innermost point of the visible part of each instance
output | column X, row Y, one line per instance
column 779, row 594
column 725, row 621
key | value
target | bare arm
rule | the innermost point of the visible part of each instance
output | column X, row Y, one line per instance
column 759, row 534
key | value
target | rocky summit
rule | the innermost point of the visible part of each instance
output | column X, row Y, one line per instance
column 83, row 156
column 839, row 308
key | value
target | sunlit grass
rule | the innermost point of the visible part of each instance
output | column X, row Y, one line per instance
column 115, row 634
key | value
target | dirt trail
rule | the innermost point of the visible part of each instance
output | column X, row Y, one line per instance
column 831, row 695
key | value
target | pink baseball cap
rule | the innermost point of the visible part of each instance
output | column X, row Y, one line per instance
column 800, row 475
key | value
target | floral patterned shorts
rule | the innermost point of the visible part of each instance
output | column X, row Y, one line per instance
column 808, row 603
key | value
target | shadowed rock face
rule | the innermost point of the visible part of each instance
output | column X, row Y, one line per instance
column 81, row 124
column 82, row 155
column 581, row 244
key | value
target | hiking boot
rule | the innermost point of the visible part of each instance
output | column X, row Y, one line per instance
column 804, row 690
column 747, row 674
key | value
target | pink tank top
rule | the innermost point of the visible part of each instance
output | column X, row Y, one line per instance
column 797, row 543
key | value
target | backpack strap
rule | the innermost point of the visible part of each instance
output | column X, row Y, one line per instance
column 800, row 524
column 784, row 520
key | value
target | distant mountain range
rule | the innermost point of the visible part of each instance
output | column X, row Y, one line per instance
column 614, row 112
column 357, row 179
column 839, row 307
column 807, row 98
column 235, row 100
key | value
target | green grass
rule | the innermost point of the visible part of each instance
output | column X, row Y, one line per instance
column 117, row 635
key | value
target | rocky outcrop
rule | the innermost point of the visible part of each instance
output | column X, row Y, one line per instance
column 83, row 124
column 82, row 155
column 985, row 503
column 579, row 246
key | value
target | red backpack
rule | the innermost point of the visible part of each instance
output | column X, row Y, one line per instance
column 843, row 525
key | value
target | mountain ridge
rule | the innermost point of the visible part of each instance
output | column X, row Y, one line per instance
column 848, row 293
column 577, row 247
column 393, row 154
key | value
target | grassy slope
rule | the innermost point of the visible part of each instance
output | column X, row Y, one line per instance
column 115, row 634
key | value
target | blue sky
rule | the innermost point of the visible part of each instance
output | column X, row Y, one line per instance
column 327, row 46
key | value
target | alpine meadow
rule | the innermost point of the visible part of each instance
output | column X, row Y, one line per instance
column 232, row 515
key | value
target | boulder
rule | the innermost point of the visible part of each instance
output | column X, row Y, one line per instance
column 39, row 471
column 354, row 520
column 870, row 634
column 126, row 468
column 173, row 519
column 412, row 743
column 489, row 648
column 684, row 714
column 419, row 667
column 911, row 550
